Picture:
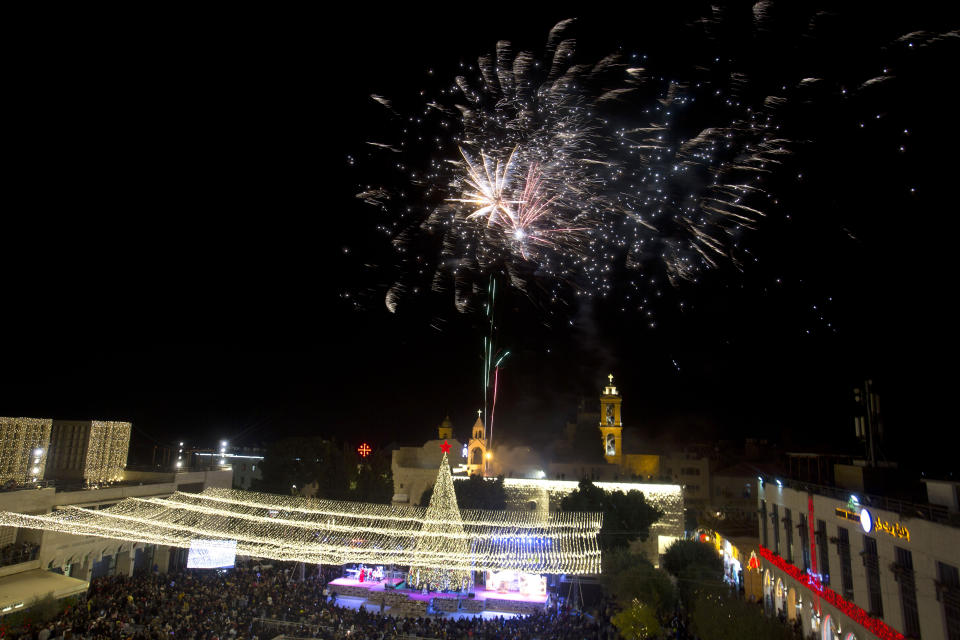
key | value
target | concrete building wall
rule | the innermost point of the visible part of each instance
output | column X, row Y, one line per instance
column 69, row 442
column 693, row 472
column 944, row 493
column 735, row 497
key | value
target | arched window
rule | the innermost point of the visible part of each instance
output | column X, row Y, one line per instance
column 477, row 456
column 611, row 445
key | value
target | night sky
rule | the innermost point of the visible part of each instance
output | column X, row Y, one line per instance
column 186, row 251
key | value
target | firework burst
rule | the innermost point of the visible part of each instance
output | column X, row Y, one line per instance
column 572, row 174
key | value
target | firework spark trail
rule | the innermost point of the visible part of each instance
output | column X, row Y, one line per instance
column 567, row 172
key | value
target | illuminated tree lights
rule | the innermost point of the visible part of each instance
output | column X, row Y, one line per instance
column 443, row 518
column 331, row 532
column 875, row 626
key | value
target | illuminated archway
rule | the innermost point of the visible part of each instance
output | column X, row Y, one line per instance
column 791, row 604
column 827, row 628
column 780, row 596
column 767, row 590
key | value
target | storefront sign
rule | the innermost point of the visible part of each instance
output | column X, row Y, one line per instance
column 869, row 522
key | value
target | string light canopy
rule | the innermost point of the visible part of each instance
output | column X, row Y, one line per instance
column 334, row 532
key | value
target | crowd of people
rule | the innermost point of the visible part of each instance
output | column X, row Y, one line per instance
column 261, row 602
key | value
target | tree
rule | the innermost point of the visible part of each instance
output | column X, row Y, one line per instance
column 698, row 568
column 724, row 616
column 637, row 622
column 631, row 577
column 683, row 554
column 375, row 479
column 626, row 516
column 443, row 518
column 476, row 492
column 331, row 469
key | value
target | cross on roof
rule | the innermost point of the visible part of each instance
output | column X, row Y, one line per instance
column 611, row 378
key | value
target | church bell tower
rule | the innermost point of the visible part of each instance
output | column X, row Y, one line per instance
column 477, row 448
column 445, row 430
column 610, row 425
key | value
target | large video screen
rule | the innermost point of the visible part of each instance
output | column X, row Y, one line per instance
column 211, row 554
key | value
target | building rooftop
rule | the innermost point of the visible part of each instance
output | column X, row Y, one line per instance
column 926, row 511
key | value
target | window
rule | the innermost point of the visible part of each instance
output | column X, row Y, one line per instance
column 872, row 562
column 804, row 541
column 763, row 521
column 823, row 551
column 903, row 569
column 788, row 538
column 846, row 568
column 948, row 592
column 775, row 516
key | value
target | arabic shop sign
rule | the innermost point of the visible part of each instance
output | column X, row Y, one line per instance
column 870, row 522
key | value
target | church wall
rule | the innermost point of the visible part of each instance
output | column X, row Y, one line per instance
column 644, row 466
column 409, row 484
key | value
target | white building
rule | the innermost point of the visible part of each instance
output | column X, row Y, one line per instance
column 853, row 566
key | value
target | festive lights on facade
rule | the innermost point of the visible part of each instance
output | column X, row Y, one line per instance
column 107, row 451
column 24, row 444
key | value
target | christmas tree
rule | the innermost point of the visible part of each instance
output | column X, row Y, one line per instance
column 442, row 517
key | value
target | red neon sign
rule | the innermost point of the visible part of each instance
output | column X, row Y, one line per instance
column 364, row 450
column 875, row 626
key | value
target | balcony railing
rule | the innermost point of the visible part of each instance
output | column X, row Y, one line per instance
column 932, row 512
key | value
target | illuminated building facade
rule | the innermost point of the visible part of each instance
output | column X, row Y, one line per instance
column 24, row 448
column 88, row 451
column 853, row 566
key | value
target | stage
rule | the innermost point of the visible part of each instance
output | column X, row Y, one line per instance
column 482, row 600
